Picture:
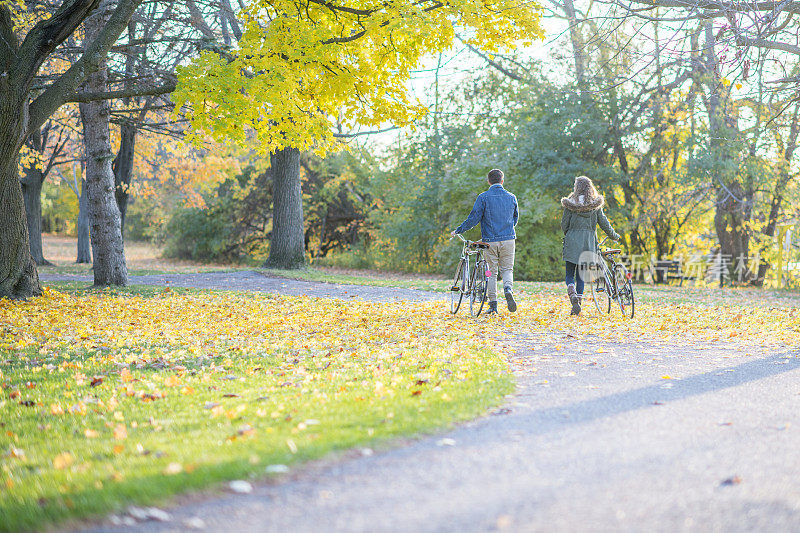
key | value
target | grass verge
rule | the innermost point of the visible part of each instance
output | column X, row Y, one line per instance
column 113, row 397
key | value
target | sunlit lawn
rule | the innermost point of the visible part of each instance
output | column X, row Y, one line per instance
column 128, row 396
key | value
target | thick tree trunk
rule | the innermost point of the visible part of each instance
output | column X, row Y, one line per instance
column 18, row 275
column 123, row 169
column 84, row 238
column 32, row 195
column 286, row 248
column 104, row 217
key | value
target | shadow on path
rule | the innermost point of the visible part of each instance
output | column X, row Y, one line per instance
column 551, row 418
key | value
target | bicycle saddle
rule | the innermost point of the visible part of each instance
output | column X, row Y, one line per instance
column 612, row 251
column 480, row 244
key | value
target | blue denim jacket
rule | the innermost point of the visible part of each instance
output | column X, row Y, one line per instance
column 497, row 211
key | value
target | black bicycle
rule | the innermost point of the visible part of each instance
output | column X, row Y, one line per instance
column 470, row 280
column 612, row 281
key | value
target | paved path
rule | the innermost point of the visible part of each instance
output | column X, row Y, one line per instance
column 256, row 281
column 595, row 439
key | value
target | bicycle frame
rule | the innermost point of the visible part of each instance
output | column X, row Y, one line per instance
column 466, row 251
column 611, row 281
column 617, row 282
column 474, row 277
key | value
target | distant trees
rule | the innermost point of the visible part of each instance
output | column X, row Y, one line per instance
column 302, row 69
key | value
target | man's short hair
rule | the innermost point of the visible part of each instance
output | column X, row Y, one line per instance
column 495, row 176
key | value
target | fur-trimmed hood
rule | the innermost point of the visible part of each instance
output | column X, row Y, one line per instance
column 582, row 204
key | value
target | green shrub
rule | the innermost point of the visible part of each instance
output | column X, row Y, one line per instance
column 200, row 235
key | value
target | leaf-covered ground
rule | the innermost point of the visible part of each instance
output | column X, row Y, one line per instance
column 111, row 398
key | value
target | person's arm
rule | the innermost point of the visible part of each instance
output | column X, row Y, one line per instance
column 516, row 212
column 605, row 225
column 565, row 220
column 474, row 217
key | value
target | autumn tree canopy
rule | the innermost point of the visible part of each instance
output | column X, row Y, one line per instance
column 303, row 69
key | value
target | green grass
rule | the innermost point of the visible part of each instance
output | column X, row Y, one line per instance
column 230, row 407
column 82, row 288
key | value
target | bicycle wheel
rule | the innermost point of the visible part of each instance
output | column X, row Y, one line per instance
column 457, row 288
column 625, row 296
column 477, row 292
column 601, row 294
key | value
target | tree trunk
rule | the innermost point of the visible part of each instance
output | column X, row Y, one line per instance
column 104, row 216
column 123, row 163
column 32, row 195
column 732, row 208
column 578, row 46
column 123, row 169
column 286, row 248
column 84, row 239
column 784, row 177
column 18, row 275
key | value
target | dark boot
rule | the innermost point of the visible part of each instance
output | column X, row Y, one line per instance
column 574, row 299
column 512, row 304
column 492, row 309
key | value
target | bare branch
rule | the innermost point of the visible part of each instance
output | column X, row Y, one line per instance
column 122, row 93
column 67, row 84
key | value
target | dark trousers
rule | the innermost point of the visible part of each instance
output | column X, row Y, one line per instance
column 573, row 276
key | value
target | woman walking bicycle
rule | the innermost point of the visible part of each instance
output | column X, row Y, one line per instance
column 583, row 212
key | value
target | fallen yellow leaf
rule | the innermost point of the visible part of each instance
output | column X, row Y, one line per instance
column 62, row 460
column 120, row 432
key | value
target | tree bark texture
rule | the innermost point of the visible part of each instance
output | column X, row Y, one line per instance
column 18, row 275
column 32, row 182
column 123, row 163
column 32, row 195
column 84, row 237
column 286, row 248
column 104, row 217
column 123, row 169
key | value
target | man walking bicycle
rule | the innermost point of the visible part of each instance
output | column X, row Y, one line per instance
column 497, row 212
